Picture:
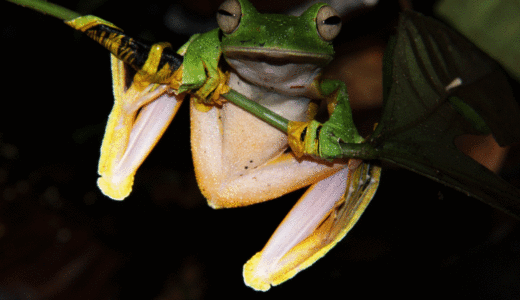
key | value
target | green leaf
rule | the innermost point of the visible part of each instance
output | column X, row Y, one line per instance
column 441, row 87
column 493, row 25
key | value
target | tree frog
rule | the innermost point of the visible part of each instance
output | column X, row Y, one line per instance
column 276, row 61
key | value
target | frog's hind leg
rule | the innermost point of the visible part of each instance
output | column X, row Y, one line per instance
column 236, row 165
column 140, row 115
column 320, row 219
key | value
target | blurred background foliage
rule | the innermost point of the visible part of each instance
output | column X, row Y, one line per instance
column 493, row 25
column 60, row 238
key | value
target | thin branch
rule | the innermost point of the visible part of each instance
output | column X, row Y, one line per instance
column 48, row 8
column 258, row 110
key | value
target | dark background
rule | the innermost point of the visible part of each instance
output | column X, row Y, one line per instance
column 60, row 238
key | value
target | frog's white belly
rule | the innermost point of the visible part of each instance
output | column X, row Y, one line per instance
column 249, row 142
column 241, row 160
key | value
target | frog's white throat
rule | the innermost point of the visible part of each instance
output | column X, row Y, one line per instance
column 291, row 79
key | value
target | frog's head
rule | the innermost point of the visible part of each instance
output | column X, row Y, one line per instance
column 279, row 52
column 249, row 34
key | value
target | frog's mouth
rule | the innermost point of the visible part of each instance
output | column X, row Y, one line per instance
column 276, row 56
column 285, row 71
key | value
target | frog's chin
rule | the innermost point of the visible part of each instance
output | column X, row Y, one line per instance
column 289, row 78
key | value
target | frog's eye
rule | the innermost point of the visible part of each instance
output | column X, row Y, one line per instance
column 328, row 23
column 228, row 16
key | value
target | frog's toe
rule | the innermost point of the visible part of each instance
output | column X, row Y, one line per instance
column 116, row 188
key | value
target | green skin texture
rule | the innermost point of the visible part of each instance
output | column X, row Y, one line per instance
column 334, row 129
column 278, row 35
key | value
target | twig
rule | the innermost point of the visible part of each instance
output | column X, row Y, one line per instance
column 48, row 8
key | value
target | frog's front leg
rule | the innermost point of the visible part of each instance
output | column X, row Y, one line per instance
column 322, row 140
column 203, row 76
column 142, row 111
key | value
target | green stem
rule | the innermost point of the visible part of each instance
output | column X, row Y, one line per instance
column 48, row 8
column 362, row 150
column 258, row 110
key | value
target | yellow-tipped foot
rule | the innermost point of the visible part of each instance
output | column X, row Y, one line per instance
column 252, row 279
column 116, row 191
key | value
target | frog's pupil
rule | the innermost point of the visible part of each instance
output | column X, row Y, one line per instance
column 224, row 13
column 335, row 20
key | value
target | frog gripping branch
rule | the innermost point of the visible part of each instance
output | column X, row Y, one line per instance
column 431, row 96
column 279, row 68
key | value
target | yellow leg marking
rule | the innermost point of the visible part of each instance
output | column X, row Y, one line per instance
column 295, row 132
column 84, row 23
column 110, row 40
column 312, row 111
column 150, row 71
column 215, row 86
column 176, row 79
